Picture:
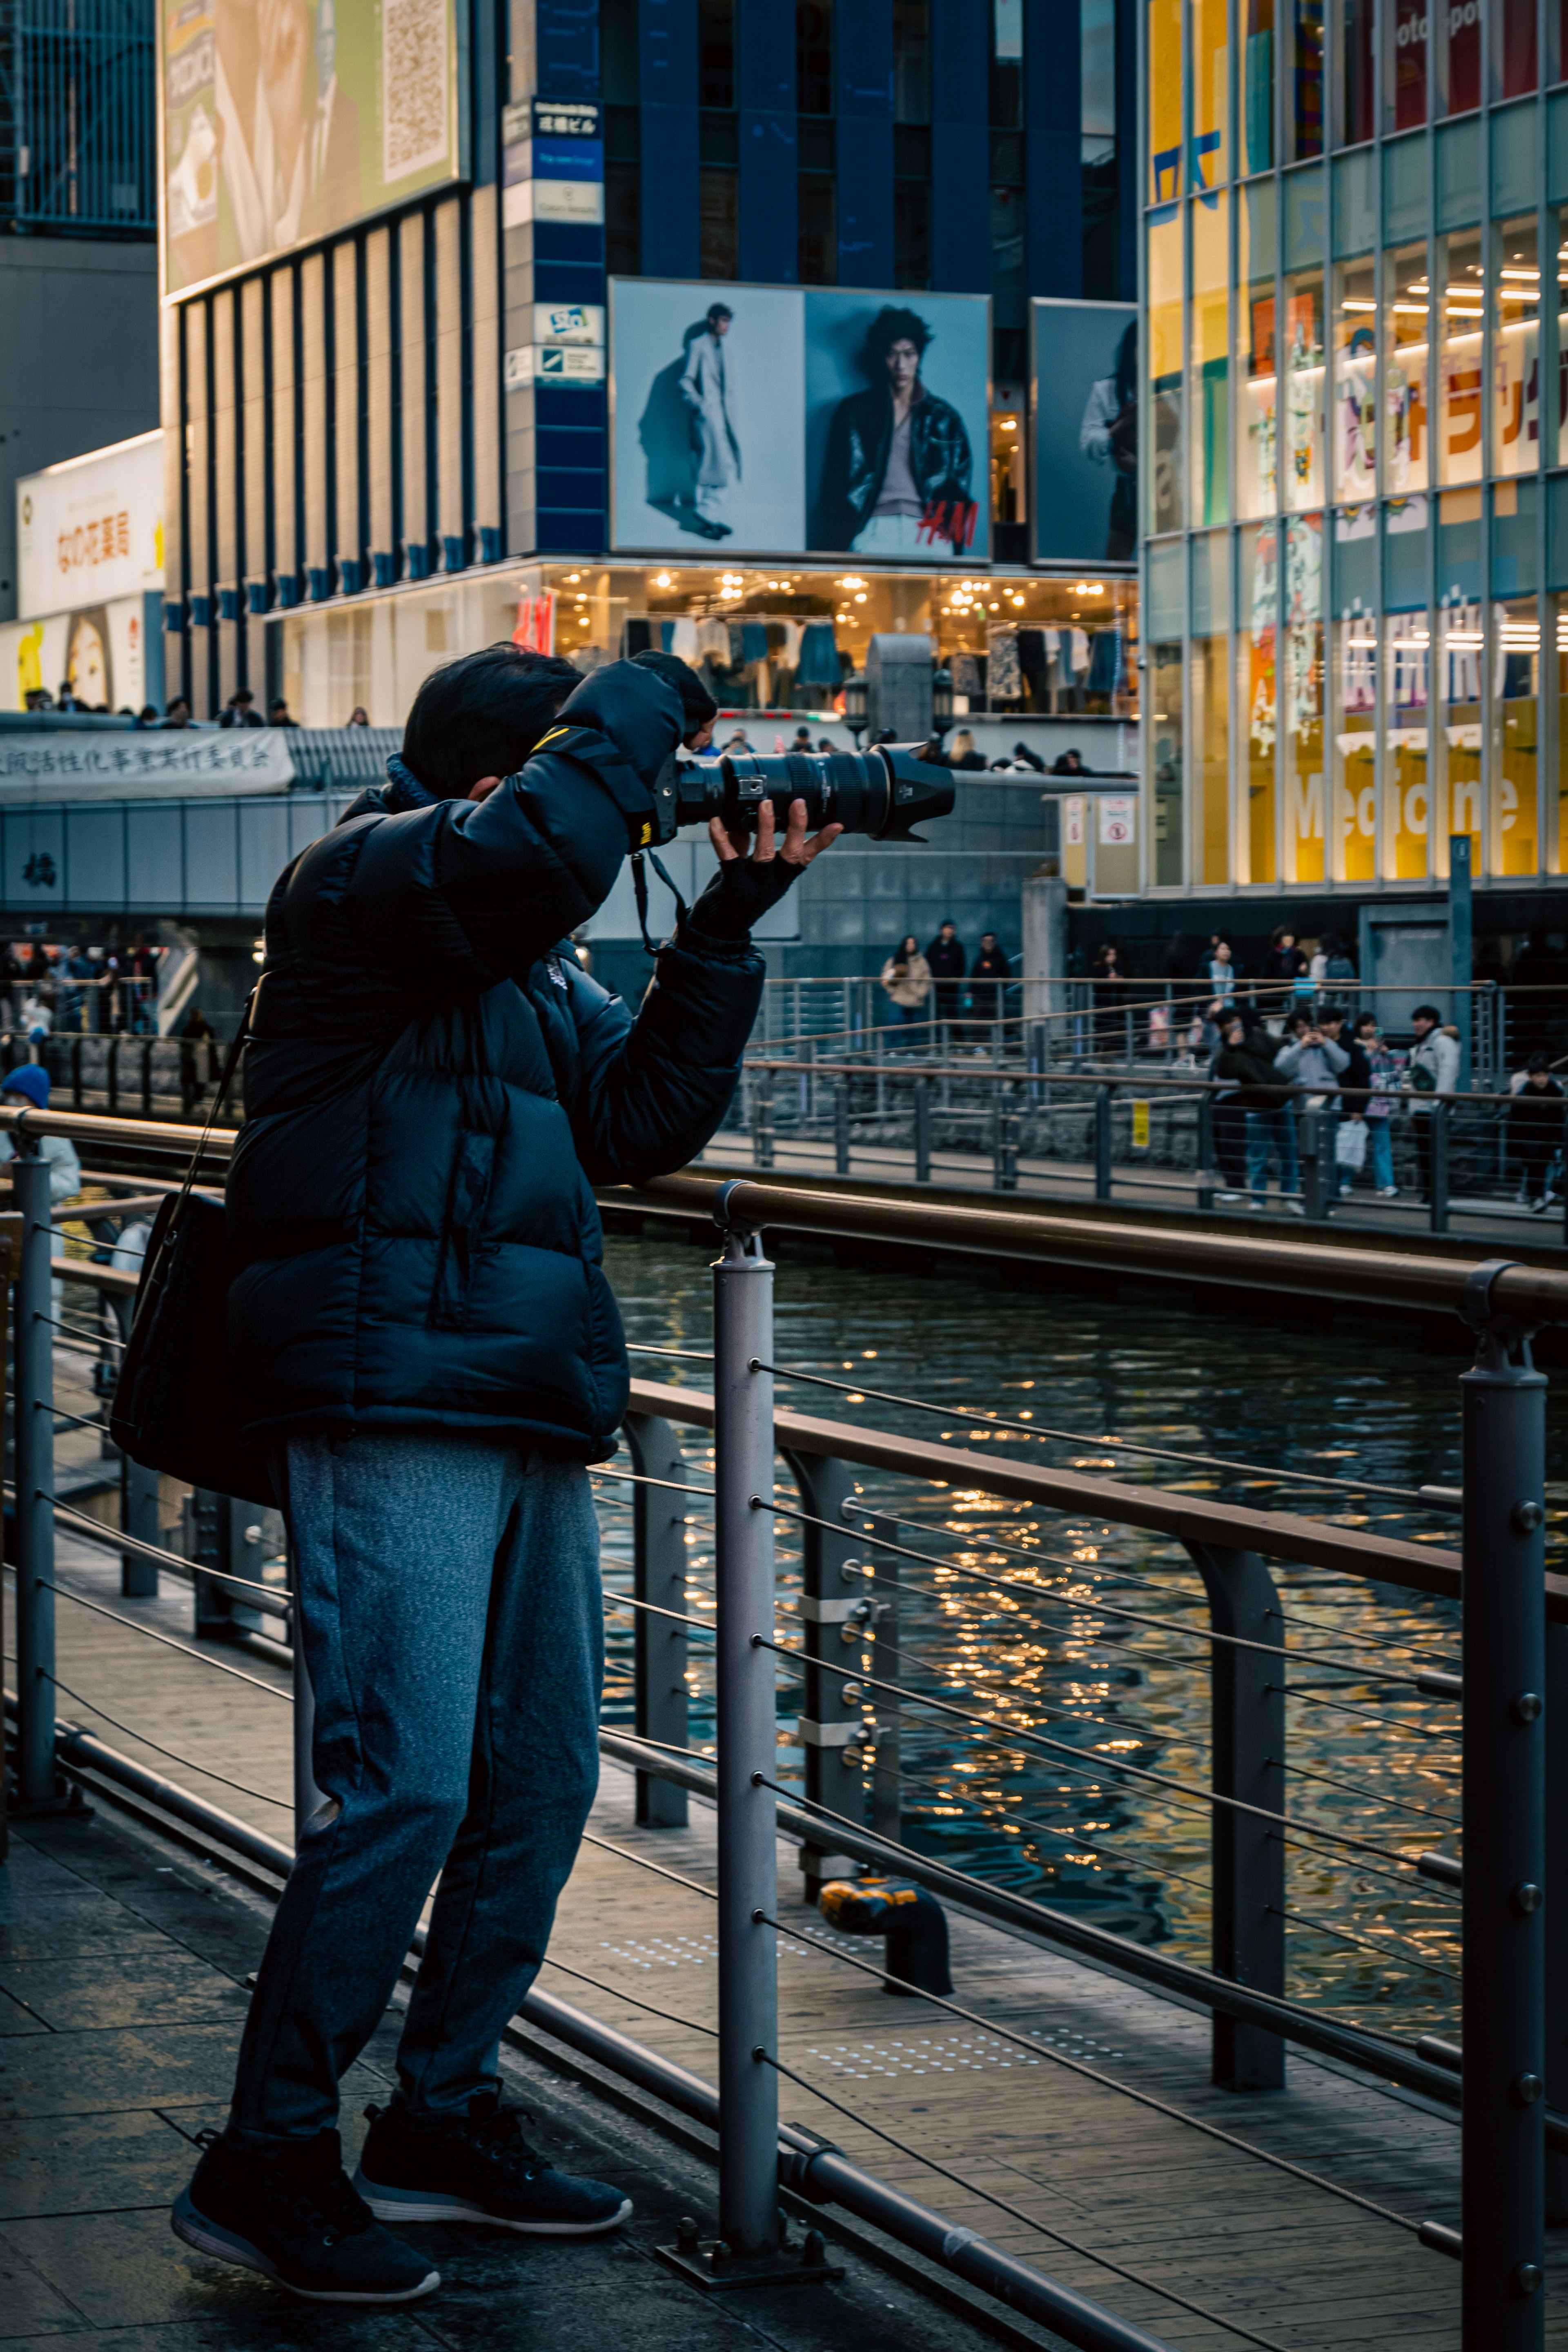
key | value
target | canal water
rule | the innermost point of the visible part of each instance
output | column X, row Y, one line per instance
column 1095, row 1662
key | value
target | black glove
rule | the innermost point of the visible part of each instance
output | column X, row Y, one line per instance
column 740, row 895
column 697, row 705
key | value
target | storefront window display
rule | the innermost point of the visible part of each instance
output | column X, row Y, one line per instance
column 1211, row 359
column 1516, row 699
column 1167, row 732
column 767, row 639
column 1407, row 346
column 1211, row 707
column 1410, row 21
column 1461, row 645
column 1461, row 314
column 1303, row 687
column 1516, row 349
column 1353, row 417
column 1406, row 768
column 1257, row 371
column 1354, row 841
column 1257, row 695
column 1303, row 391
column 1165, row 504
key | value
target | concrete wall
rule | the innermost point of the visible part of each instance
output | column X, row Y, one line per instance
column 79, row 361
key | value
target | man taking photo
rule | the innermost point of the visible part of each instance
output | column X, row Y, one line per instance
column 431, row 1354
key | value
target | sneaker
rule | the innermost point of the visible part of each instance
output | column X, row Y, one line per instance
column 1255, row 1204
column 294, row 2218
column 1388, row 1191
column 1521, row 1198
column 478, row 2168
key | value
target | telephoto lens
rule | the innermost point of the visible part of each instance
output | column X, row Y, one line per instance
column 884, row 792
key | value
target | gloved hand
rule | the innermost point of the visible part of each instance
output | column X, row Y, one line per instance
column 744, row 887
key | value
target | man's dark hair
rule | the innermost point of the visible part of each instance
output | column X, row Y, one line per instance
column 1426, row 1013
column 1538, row 1062
column 718, row 311
column 1331, row 1013
column 1365, row 1021
column 895, row 324
column 482, row 715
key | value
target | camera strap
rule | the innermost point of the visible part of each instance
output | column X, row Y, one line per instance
column 639, row 892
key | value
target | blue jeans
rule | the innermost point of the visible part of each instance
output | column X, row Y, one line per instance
column 1381, row 1142
column 1271, row 1131
column 449, row 1585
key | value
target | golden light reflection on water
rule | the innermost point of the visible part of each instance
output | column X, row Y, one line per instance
column 1060, row 1822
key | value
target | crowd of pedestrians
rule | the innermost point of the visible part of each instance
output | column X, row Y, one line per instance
column 50, row 989
column 239, row 711
column 944, row 982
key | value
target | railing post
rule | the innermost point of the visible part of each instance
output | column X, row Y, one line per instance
column 1314, row 1185
column 1246, row 1698
column 658, row 1523
column 841, row 1126
column 1438, row 1216
column 138, row 1517
column 34, row 1427
column 112, row 1087
column 1102, row 1143
column 748, row 1755
column 1503, row 2137
column 1556, row 1908
column 762, row 1119
column 887, row 1790
column 831, row 1602
column 923, row 1129
column 1205, row 1149
column 1004, row 1149
column 147, row 1076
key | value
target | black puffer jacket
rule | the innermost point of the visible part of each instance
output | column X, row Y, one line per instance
column 435, row 1087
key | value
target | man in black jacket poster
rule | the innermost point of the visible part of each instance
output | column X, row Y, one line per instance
column 430, row 1353
column 898, row 468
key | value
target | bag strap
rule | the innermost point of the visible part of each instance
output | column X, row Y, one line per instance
column 231, row 1063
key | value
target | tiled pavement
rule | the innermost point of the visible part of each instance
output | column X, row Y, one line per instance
column 123, row 1991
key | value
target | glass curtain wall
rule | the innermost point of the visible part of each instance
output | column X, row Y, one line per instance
column 1352, row 399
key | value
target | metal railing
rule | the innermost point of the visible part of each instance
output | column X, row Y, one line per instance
column 78, row 140
column 855, row 1552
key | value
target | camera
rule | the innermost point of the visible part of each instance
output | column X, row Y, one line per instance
column 885, row 792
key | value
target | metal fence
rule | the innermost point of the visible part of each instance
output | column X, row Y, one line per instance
column 77, row 142
column 862, row 1520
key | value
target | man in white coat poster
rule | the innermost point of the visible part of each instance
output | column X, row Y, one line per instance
column 706, row 389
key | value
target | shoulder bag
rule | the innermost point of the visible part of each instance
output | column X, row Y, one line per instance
column 174, row 1406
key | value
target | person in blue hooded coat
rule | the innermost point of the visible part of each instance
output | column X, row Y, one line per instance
column 428, row 1350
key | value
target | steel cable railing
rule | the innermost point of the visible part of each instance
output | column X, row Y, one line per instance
column 837, row 1522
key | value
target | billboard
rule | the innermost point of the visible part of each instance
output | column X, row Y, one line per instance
column 796, row 420
column 110, row 654
column 91, row 529
column 285, row 120
column 1085, row 370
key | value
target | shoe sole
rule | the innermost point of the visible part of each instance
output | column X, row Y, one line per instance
column 225, row 2246
column 421, row 2205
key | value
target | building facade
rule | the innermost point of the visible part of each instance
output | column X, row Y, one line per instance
column 1355, row 508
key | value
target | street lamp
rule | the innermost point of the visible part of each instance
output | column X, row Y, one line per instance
column 854, row 704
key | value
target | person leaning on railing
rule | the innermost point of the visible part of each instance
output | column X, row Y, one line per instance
column 1432, row 1070
column 427, row 1346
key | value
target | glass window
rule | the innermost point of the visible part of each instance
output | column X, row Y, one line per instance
column 1211, row 706
column 1355, row 695
column 1407, row 669
column 1211, row 358
column 911, row 232
column 1165, row 501
column 1307, row 80
column 1516, row 33
column 1458, row 55
column 1406, row 78
column 719, row 223
column 1257, row 86
column 1461, row 646
column 1165, row 671
column 1406, row 345
column 1256, row 695
column 818, row 229
column 1516, row 349
column 1515, row 691
column 1211, row 90
column 911, row 60
column 1303, row 691
column 1461, row 311
column 1257, row 368
column 1303, row 389
column 1561, row 404
column 1353, row 433
column 1164, row 100
column 1355, row 72
column 716, row 52
column 814, row 59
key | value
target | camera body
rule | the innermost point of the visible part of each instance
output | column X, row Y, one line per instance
column 884, row 792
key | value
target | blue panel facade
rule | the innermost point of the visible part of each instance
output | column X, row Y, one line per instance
column 865, row 68
column 960, row 159
column 1127, row 153
column 765, row 79
column 1053, row 113
column 566, row 42
column 668, row 61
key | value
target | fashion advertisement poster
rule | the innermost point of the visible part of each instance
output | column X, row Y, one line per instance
column 108, row 656
column 1085, row 431
column 786, row 420
column 285, row 120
